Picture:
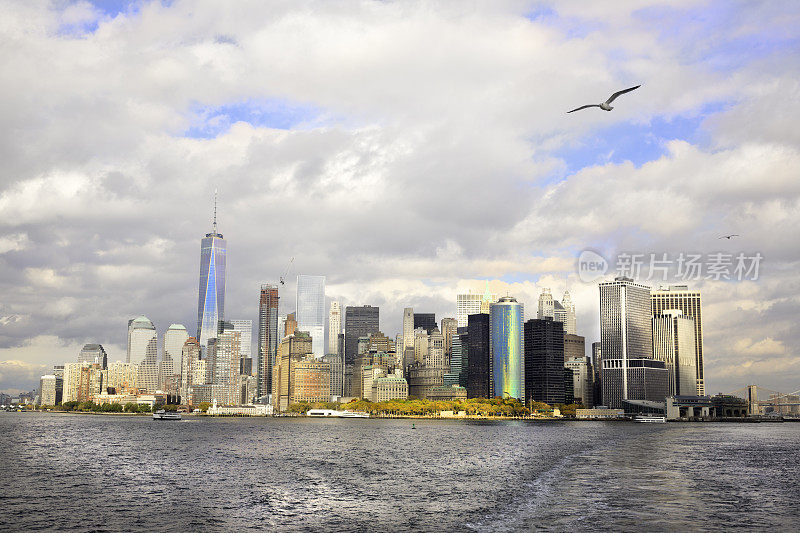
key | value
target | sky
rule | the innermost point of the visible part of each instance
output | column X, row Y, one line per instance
column 408, row 151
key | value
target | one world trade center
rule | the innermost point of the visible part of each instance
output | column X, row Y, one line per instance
column 211, row 299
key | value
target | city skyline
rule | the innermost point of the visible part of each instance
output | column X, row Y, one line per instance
column 102, row 224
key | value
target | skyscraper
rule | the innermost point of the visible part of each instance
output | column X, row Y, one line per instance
column 311, row 310
column 426, row 321
column 544, row 360
column 190, row 356
column 506, row 349
column 245, row 328
column 625, row 335
column 268, row 337
column 358, row 322
column 448, row 329
column 689, row 302
column 174, row 338
column 570, row 323
column 546, row 305
column 673, row 343
column 478, row 369
column 408, row 329
column 211, row 295
column 94, row 354
column 143, row 351
column 334, row 328
column 471, row 304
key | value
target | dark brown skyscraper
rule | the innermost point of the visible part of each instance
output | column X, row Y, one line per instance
column 478, row 373
column 267, row 337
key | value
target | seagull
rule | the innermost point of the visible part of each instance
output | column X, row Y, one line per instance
column 729, row 237
column 604, row 106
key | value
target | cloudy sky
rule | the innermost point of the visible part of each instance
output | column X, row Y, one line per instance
column 408, row 151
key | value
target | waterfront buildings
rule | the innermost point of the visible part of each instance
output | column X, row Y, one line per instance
column 392, row 387
column 211, row 294
column 81, row 381
column 293, row 348
column 191, row 374
column 689, row 302
column 334, row 327
column 673, row 343
column 123, row 377
column 478, row 373
column 267, row 337
column 544, row 360
column 459, row 357
column 174, row 339
column 337, row 374
column 143, row 351
column 310, row 314
column 633, row 379
column 506, row 349
column 582, row 380
column 50, row 389
column 224, row 354
column 93, row 354
column 310, row 381
column 625, row 335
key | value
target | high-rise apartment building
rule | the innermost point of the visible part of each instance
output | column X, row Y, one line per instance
column 582, row 381
column 93, row 354
column 289, row 325
column 689, row 302
column 311, row 310
column 337, row 374
column 334, row 327
column 268, row 337
column 673, row 343
column 211, row 294
column 506, row 351
column 544, row 360
column 224, row 356
column 478, row 367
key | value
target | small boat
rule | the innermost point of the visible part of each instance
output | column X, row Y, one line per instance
column 161, row 414
column 650, row 419
column 353, row 414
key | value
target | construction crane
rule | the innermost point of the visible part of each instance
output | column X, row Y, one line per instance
column 286, row 272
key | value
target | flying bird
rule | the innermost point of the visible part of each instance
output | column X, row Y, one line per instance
column 729, row 237
column 605, row 105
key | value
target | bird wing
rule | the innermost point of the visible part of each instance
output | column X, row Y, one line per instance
column 584, row 107
column 614, row 96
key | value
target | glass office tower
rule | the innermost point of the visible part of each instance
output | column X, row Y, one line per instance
column 310, row 314
column 505, row 349
column 211, row 297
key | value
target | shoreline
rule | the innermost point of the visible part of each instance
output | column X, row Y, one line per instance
column 423, row 417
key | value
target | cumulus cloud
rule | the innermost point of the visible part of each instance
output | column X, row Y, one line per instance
column 407, row 151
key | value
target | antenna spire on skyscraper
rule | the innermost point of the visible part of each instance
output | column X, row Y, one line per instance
column 214, row 228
